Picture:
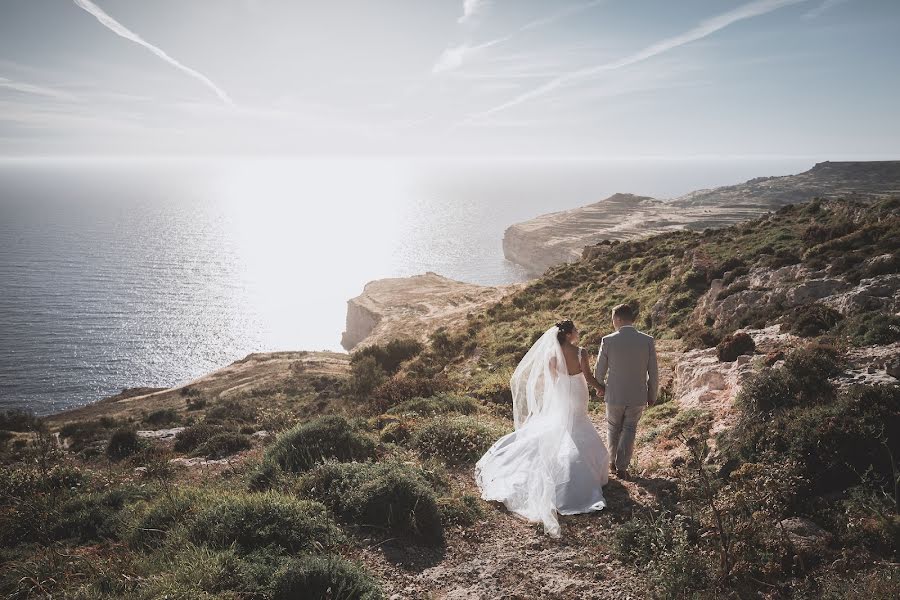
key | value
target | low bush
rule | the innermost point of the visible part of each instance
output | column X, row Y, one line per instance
column 735, row 345
column 323, row 438
column 699, row 337
column 387, row 496
column 460, row 510
column 223, row 444
column 665, row 546
column 365, row 376
column 810, row 320
column 123, row 443
column 255, row 521
column 162, row 417
column 82, row 436
column 192, row 437
column 802, row 380
column 390, row 356
column 440, row 404
column 94, row 516
column 835, row 443
column 264, row 476
column 324, row 578
column 395, row 432
column 155, row 521
column 870, row 329
column 397, row 389
column 19, row 420
column 230, row 412
column 457, row 440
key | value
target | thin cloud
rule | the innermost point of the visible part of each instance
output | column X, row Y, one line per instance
column 120, row 30
column 824, row 7
column 471, row 8
column 36, row 90
column 453, row 58
column 704, row 29
column 566, row 12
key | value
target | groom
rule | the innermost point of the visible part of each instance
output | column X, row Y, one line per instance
column 629, row 357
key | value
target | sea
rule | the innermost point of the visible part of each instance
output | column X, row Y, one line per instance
column 125, row 272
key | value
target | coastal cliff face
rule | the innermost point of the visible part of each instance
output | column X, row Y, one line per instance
column 412, row 307
column 560, row 237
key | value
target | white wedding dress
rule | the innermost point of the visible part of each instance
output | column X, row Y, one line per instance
column 554, row 462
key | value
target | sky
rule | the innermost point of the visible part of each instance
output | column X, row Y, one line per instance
column 603, row 78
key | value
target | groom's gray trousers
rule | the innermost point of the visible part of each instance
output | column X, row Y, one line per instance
column 622, row 421
column 629, row 358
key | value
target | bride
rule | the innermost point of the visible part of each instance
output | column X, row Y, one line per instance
column 554, row 462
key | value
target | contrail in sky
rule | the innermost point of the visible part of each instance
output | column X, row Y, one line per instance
column 705, row 28
column 119, row 29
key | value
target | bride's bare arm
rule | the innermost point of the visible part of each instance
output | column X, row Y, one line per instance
column 589, row 373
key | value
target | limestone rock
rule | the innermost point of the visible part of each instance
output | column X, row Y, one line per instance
column 561, row 237
column 412, row 307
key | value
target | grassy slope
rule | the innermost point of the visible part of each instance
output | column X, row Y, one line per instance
column 60, row 510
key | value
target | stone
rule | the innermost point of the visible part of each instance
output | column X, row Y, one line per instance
column 160, row 434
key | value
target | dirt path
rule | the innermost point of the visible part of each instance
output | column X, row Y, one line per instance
column 503, row 557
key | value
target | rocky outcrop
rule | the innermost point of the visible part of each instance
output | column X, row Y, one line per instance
column 704, row 382
column 793, row 286
column 413, row 307
column 561, row 237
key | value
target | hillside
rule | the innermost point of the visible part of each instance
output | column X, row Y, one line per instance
column 767, row 470
column 552, row 239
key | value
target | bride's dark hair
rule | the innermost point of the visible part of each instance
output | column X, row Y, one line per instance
column 566, row 327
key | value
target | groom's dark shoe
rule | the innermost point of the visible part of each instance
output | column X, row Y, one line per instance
column 613, row 469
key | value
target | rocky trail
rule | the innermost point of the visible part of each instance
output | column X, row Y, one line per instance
column 504, row 557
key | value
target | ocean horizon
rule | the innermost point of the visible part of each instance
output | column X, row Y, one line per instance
column 151, row 272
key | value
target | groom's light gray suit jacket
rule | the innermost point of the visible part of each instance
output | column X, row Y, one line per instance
column 629, row 357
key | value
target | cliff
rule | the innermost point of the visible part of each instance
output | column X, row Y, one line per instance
column 256, row 375
column 560, row 237
column 413, row 307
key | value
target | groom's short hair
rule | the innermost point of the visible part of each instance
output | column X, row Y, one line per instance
column 624, row 312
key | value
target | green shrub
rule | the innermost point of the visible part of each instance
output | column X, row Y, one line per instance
column 154, row 521
column 390, row 356
column 810, row 320
column 870, row 329
column 664, row 545
column 328, row 437
column 255, row 521
column 735, row 345
column 365, row 375
column 264, row 476
column 88, row 436
column 161, row 417
column 19, row 420
column 230, row 411
column 93, row 516
column 802, row 380
column 387, row 496
column 190, row 438
column 460, row 510
column 835, row 443
column 397, row 389
column 324, row 578
column 395, row 432
column 223, row 444
column 123, row 443
column 457, row 440
column 442, row 403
